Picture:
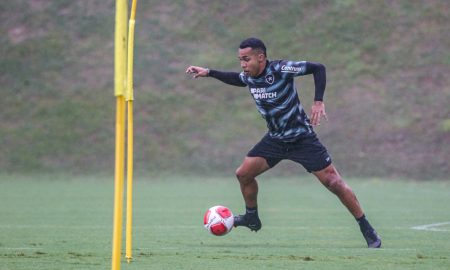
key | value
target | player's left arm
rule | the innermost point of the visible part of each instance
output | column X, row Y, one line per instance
column 318, row 108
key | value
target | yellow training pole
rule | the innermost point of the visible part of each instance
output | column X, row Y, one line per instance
column 120, row 45
column 128, row 254
column 130, row 130
column 118, row 182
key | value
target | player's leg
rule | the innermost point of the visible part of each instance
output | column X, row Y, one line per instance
column 331, row 179
column 246, row 175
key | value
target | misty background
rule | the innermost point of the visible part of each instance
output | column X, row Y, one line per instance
column 387, row 96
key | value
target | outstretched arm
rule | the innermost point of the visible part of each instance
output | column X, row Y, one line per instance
column 231, row 78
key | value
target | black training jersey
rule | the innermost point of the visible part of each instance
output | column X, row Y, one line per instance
column 277, row 100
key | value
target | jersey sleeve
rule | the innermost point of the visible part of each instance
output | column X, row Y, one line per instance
column 320, row 78
column 291, row 69
column 232, row 78
column 243, row 78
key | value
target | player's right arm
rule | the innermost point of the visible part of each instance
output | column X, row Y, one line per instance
column 231, row 78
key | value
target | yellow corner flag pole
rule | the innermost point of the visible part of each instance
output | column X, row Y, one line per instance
column 120, row 42
column 130, row 130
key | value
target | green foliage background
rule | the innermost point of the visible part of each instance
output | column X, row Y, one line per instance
column 387, row 95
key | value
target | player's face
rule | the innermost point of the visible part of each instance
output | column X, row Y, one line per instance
column 252, row 61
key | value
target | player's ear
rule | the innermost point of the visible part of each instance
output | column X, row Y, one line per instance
column 261, row 57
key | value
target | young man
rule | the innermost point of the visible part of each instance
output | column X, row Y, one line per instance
column 290, row 135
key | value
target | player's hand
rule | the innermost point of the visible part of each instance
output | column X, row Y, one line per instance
column 197, row 71
column 317, row 113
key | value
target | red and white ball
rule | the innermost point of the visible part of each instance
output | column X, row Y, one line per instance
column 218, row 220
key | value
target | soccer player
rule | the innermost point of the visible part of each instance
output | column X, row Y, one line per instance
column 290, row 135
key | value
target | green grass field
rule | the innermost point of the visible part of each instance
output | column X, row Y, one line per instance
column 65, row 222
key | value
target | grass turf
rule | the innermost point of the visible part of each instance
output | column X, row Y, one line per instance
column 65, row 222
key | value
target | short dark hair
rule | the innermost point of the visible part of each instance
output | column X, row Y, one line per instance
column 254, row 43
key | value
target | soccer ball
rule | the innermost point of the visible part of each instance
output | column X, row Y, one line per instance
column 218, row 220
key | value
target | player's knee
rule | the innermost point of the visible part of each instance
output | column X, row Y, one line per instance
column 334, row 183
column 240, row 173
column 243, row 175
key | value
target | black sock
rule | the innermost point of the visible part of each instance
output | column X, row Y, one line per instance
column 251, row 210
column 364, row 225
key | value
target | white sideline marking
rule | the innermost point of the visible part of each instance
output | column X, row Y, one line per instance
column 434, row 227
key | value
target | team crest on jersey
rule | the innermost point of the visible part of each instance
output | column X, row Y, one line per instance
column 269, row 78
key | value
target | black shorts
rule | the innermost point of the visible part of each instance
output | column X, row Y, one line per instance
column 308, row 151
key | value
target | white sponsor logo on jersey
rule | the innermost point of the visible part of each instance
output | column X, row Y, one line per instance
column 291, row 69
column 261, row 93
